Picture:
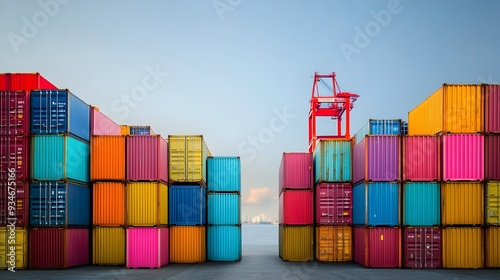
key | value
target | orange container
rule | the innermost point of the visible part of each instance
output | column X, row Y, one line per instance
column 187, row 244
column 108, row 204
column 107, row 158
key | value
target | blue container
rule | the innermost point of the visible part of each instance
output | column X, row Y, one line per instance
column 59, row 157
column 224, row 209
column 379, row 127
column 421, row 204
column 404, row 128
column 59, row 112
column 224, row 243
column 140, row 130
column 224, row 174
column 333, row 161
column 55, row 204
column 187, row 205
column 376, row 204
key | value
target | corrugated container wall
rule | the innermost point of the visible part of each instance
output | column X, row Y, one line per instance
column 296, row 207
column 101, row 124
column 379, row 127
column 140, row 130
column 187, row 158
column 24, row 81
column 421, row 204
column 108, row 203
column 224, row 209
column 107, row 158
column 462, row 203
column 147, row 158
column 224, row 243
column 147, row 204
column 333, row 204
column 20, row 259
column 333, row 161
column 188, row 244
column 21, row 203
column 296, row 171
column 376, row 204
column 492, row 247
column 463, row 157
column 422, row 247
column 14, row 157
column 224, row 174
column 377, row 247
column 492, row 156
column 187, row 205
column 108, row 246
column 296, row 243
column 334, row 243
column 463, row 247
column 377, row 158
column 421, row 158
column 492, row 108
column 147, row 247
column 15, row 113
column 492, row 203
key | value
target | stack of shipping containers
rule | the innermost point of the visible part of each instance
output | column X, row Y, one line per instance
column 296, row 207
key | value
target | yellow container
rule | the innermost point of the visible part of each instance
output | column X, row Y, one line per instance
column 147, row 204
column 334, row 243
column 20, row 248
column 108, row 246
column 188, row 244
column 187, row 157
column 463, row 247
column 462, row 203
column 492, row 247
column 493, row 203
column 125, row 129
column 451, row 109
column 296, row 243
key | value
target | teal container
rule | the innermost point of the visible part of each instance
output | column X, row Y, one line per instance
column 224, row 174
column 224, row 243
column 421, row 204
column 59, row 157
column 333, row 161
column 224, row 209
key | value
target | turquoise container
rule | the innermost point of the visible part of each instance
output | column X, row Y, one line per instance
column 224, row 243
column 421, row 204
column 333, row 161
column 224, row 174
column 224, row 209
column 59, row 157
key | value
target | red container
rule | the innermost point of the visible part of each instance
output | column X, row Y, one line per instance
column 422, row 248
column 24, row 81
column 147, row 158
column 296, row 171
column 492, row 157
column 14, row 113
column 463, row 157
column 100, row 124
column 147, row 247
column 377, row 247
column 17, row 191
column 333, row 204
column 57, row 248
column 296, row 207
column 421, row 158
column 492, row 109
column 14, row 157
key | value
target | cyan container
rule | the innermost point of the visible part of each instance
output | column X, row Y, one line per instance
column 59, row 112
column 333, row 161
column 224, row 174
column 224, row 209
column 421, row 204
column 59, row 157
column 54, row 204
column 224, row 243
column 187, row 205
column 379, row 127
column 376, row 204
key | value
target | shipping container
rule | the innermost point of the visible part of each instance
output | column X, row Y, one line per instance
column 333, row 204
column 16, row 192
column 296, row 243
column 492, row 203
column 296, row 207
column 58, row 203
column 15, row 113
column 58, row 248
column 140, row 130
column 421, row 158
column 13, row 248
column 188, row 244
column 14, row 157
column 187, row 158
column 59, row 112
column 124, row 130
column 492, row 156
column 334, row 243
column 463, row 157
column 492, row 247
column 451, row 109
column 224, row 174
column 463, row 247
column 377, row 247
column 376, row 204
column 187, row 205
column 108, row 203
column 100, row 124
column 224, row 243
column 377, row 158
column 492, row 108
column 147, row 247
column 147, row 204
column 462, row 203
column 24, row 81
column 147, row 158
column 379, row 127
column 296, row 171
column 421, row 204
column 224, row 209
column 422, row 247
column 108, row 246
column 404, row 128
column 333, row 161
column 58, row 157
column 107, row 158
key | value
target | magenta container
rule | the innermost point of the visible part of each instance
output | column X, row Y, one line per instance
column 377, row 247
column 422, row 247
column 147, row 158
column 14, row 155
column 147, row 247
column 492, row 157
column 333, row 204
column 15, row 113
column 296, row 171
column 421, row 158
column 463, row 157
column 377, row 158
column 296, row 207
column 492, row 108
column 100, row 124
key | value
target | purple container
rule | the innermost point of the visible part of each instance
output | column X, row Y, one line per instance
column 296, row 171
column 377, row 158
column 147, row 158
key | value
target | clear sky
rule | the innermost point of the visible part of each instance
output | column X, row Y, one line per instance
column 239, row 71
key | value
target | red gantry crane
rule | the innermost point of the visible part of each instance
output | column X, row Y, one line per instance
column 333, row 105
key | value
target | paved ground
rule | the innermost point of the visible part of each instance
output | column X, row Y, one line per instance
column 259, row 262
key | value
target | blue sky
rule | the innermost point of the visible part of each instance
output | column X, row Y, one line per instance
column 239, row 71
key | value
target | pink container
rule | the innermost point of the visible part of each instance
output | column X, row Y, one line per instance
column 333, row 204
column 377, row 247
column 147, row 247
column 377, row 158
column 147, row 158
column 463, row 157
column 422, row 248
column 15, row 113
column 14, row 156
column 296, row 171
column 492, row 108
column 296, row 207
column 100, row 124
column 421, row 158
column 492, row 157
